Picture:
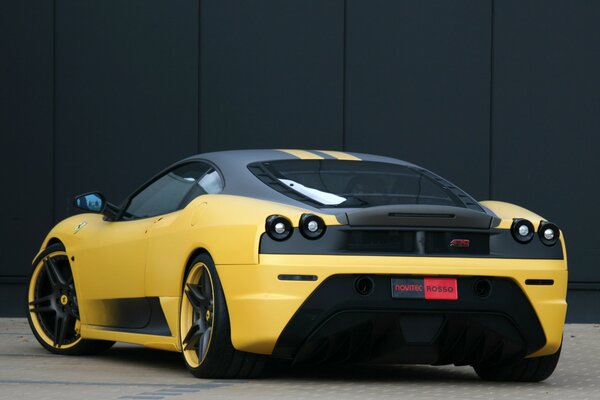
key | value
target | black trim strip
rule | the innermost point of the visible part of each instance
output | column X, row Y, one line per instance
column 411, row 242
column 420, row 215
column 540, row 282
column 283, row 277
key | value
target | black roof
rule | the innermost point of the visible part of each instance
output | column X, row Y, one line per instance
column 240, row 181
column 239, row 158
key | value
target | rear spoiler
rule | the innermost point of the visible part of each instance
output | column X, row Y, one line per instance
column 419, row 215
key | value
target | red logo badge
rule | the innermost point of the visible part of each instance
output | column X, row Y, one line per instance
column 460, row 243
column 440, row 289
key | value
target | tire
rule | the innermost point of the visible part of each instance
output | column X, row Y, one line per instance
column 205, row 333
column 52, row 308
column 534, row 369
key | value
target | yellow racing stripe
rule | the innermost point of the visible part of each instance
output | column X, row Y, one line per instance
column 340, row 155
column 302, row 154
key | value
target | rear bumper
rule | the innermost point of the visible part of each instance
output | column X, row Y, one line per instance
column 377, row 328
column 296, row 319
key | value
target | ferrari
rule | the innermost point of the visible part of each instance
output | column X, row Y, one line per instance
column 236, row 258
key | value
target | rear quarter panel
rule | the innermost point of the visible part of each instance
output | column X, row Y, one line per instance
column 227, row 227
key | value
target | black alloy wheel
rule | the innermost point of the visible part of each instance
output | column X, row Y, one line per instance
column 53, row 309
column 205, row 332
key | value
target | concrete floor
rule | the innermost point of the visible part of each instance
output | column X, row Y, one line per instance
column 27, row 371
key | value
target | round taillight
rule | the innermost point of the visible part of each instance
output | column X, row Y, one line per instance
column 279, row 227
column 522, row 230
column 312, row 226
column 548, row 233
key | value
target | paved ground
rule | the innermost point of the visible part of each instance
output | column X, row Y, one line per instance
column 127, row 372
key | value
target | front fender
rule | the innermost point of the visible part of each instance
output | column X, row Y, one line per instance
column 66, row 231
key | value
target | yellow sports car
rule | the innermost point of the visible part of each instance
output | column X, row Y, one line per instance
column 235, row 257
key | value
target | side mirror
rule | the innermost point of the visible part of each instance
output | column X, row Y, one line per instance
column 93, row 202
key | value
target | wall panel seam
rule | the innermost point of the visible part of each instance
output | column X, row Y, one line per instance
column 344, row 59
column 491, row 116
column 199, row 76
column 53, row 97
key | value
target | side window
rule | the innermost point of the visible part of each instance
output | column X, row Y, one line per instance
column 210, row 183
column 172, row 191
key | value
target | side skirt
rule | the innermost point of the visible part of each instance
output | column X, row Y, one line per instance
column 149, row 321
column 168, row 343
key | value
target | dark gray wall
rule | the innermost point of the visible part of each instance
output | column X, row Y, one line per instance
column 418, row 84
column 26, row 141
column 500, row 96
column 545, row 125
column 271, row 74
column 126, row 93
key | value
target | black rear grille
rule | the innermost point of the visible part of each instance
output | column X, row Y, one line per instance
column 393, row 241
column 460, row 340
column 379, row 241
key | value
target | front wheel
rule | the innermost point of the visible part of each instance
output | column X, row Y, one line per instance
column 205, row 333
column 533, row 369
column 53, row 311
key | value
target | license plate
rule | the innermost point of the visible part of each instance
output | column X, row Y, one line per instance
column 425, row 288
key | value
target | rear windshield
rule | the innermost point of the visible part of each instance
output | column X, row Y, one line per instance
column 349, row 184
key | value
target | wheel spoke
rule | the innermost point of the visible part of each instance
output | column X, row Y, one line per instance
column 57, row 329
column 53, row 273
column 41, row 309
column 205, row 285
column 51, row 277
column 197, row 292
column 195, row 298
column 41, row 300
column 192, row 338
column 203, row 345
column 190, row 333
column 65, row 321
column 38, row 306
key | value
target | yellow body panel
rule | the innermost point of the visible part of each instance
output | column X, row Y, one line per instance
column 227, row 227
column 507, row 212
column 260, row 305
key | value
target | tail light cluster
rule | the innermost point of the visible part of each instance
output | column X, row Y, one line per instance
column 523, row 232
column 280, row 228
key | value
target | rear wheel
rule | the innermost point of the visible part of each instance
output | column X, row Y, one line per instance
column 204, row 328
column 53, row 311
column 534, row 369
